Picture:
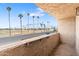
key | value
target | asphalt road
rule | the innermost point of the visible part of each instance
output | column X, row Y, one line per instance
column 7, row 40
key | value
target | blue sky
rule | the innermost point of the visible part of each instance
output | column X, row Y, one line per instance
column 23, row 8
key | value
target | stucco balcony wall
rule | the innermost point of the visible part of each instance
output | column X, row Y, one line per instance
column 40, row 47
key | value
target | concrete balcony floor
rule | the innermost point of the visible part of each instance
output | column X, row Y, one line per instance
column 64, row 50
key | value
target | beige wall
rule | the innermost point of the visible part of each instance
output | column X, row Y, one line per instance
column 66, row 28
column 65, row 15
column 43, row 47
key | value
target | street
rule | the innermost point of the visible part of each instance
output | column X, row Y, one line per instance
column 8, row 40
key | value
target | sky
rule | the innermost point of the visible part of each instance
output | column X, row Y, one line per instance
column 24, row 8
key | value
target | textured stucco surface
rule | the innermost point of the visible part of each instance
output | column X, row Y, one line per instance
column 67, row 30
column 43, row 47
column 59, row 10
column 65, row 15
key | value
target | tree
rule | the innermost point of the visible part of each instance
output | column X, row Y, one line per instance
column 47, row 25
column 33, row 23
column 41, row 26
column 9, row 10
column 38, row 21
column 38, row 17
column 28, row 14
column 44, row 27
column 20, row 16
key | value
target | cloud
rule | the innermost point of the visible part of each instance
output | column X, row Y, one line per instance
column 39, row 12
column 39, row 9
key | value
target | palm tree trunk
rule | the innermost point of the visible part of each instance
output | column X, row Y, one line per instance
column 28, row 23
column 9, row 24
column 21, row 25
column 33, row 26
column 44, row 27
column 37, row 25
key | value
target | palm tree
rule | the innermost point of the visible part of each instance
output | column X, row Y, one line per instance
column 33, row 23
column 47, row 25
column 41, row 27
column 28, row 14
column 44, row 27
column 20, row 16
column 38, row 21
column 38, row 17
column 9, row 10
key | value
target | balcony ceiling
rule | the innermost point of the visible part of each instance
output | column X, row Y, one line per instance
column 59, row 10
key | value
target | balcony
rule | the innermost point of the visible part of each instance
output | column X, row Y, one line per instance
column 43, row 45
column 64, row 42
